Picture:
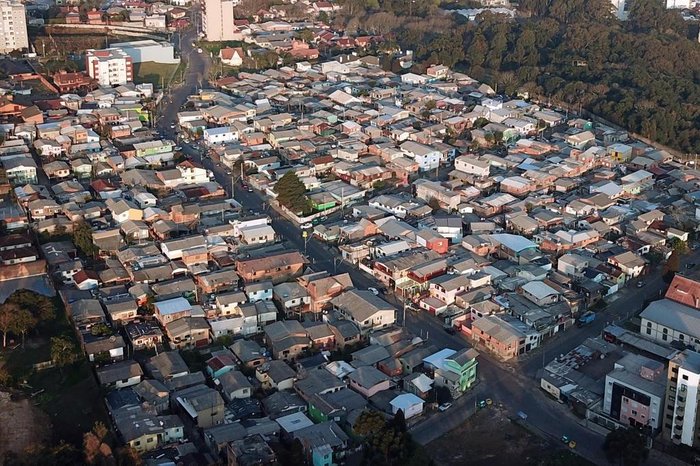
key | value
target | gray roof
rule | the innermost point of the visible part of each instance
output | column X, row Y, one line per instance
column 164, row 365
column 674, row 315
column 283, row 402
column 279, row 370
column 361, row 304
column 370, row 355
column 118, row 371
column 234, row 380
column 134, row 423
column 246, row 350
column 319, row 435
column 317, row 381
column 367, row 376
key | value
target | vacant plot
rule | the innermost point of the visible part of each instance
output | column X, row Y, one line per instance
column 158, row 74
column 489, row 438
column 21, row 425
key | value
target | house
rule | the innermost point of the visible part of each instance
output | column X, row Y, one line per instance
column 276, row 374
column 292, row 296
column 457, row 371
column 368, row 381
column 120, row 375
column 166, row 366
column 346, row 333
column 365, row 309
column 143, row 335
column 498, row 336
column 220, row 363
column 172, row 309
column 685, row 291
column 427, row 158
column 540, row 293
column 629, row 263
column 232, row 56
column 287, row 339
column 324, row 444
column 248, row 353
column 203, row 405
column 322, row 288
column 103, row 348
column 234, row 385
column 276, row 267
column 260, row 291
column 188, row 332
column 408, row 403
column 147, row 432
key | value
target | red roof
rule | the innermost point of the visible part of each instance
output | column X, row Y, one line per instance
column 322, row 160
column 685, row 291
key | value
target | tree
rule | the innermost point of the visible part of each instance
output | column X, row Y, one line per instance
column 82, row 238
column 626, row 447
column 23, row 322
column 8, row 311
column 434, row 203
column 399, row 421
column 40, row 306
column 95, row 449
column 127, row 456
column 63, row 351
column 291, row 193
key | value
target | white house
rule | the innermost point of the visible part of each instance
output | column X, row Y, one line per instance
column 426, row 157
column 220, row 135
column 410, row 404
column 471, row 165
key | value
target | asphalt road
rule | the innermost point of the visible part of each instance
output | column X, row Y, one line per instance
column 512, row 385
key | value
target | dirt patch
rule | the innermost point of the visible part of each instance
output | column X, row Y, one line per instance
column 490, row 438
column 22, row 425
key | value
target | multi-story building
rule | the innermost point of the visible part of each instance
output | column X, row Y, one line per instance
column 13, row 26
column 634, row 392
column 681, row 418
column 110, row 67
column 217, row 20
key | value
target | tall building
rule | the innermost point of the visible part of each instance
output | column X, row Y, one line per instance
column 13, row 26
column 682, row 420
column 634, row 392
column 110, row 67
column 217, row 20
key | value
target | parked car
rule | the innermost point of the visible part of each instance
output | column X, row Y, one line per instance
column 445, row 406
column 640, row 284
column 306, row 226
column 450, row 329
column 374, row 291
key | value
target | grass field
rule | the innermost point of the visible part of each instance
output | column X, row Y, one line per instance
column 158, row 74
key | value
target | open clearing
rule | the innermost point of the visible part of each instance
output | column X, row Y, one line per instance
column 490, row 438
column 22, row 425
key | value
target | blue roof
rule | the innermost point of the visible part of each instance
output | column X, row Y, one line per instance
column 436, row 359
column 405, row 401
column 173, row 306
column 515, row 243
column 219, row 130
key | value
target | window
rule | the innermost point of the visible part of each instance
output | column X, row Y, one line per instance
column 664, row 337
column 684, row 377
column 649, row 324
column 665, row 330
column 648, row 331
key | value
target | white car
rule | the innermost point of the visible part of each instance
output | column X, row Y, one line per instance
column 199, row 50
column 445, row 406
column 306, row 226
column 374, row 291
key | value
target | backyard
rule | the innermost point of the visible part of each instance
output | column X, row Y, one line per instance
column 158, row 74
column 490, row 438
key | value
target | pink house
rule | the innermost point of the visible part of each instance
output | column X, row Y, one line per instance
column 368, row 381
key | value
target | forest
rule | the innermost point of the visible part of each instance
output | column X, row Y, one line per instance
column 642, row 74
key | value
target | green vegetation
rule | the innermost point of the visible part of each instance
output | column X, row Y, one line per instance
column 642, row 74
column 291, row 193
column 388, row 442
column 82, row 238
column 158, row 74
column 626, row 447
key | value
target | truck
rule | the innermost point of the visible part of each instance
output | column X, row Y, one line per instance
column 586, row 318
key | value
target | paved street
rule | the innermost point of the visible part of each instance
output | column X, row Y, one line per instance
column 513, row 385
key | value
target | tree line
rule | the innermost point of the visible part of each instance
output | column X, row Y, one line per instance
column 642, row 74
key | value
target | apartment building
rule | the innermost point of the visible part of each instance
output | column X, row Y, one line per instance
column 110, row 67
column 217, row 20
column 13, row 26
column 681, row 418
